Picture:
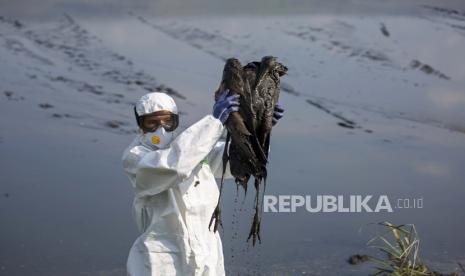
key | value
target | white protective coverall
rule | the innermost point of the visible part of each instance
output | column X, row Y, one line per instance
column 175, row 196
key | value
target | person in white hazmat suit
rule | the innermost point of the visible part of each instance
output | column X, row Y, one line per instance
column 173, row 177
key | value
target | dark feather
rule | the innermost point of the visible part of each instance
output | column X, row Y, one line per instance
column 258, row 84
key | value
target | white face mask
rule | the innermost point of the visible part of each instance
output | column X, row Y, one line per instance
column 160, row 138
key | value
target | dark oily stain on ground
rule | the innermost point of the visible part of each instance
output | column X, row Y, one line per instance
column 11, row 96
column 384, row 30
column 249, row 129
column 76, row 47
column 196, row 37
column 449, row 15
column 456, row 14
column 342, row 124
column 94, row 89
column 8, row 94
column 14, row 22
column 45, row 105
column 114, row 124
column 370, row 54
column 79, row 48
column 427, row 69
column 345, row 122
column 80, row 86
column 57, row 115
column 309, row 34
column 286, row 87
column 357, row 259
column 167, row 90
column 460, row 27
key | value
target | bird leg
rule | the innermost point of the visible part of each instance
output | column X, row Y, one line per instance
column 255, row 229
column 216, row 216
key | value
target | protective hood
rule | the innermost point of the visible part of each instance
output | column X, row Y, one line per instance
column 155, row 101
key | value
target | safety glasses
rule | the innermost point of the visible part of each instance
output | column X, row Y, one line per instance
column 153, row 121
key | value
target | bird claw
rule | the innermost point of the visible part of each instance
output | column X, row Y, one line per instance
column 216, row 219
column 255, row 231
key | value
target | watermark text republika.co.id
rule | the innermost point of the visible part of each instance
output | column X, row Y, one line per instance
column 338, row 203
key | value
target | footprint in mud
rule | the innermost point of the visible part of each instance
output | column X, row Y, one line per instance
column 11, row 96
column 447, row 12
column 371, row 55
column 8, row 94
column 114, row 124
column 65, row 115
column 45, row 105
column 211, row 43
column 80, row 86
column 112, row 101
column 446, row 16
column 339, row 28
column 384, row 30
column 427, row 69
column 79, row 48
column 115, row 98
column 13, row 22
column 346, row 123
column 94, row 89
column 76, row 53
column 111, row 124
column 18, row 47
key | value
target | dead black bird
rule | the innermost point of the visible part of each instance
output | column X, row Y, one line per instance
column 249, row 129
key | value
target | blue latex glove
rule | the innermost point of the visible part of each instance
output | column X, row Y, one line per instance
column 278, row 113
column 225, row 105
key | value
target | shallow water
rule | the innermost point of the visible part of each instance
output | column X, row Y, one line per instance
column 65, row 208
